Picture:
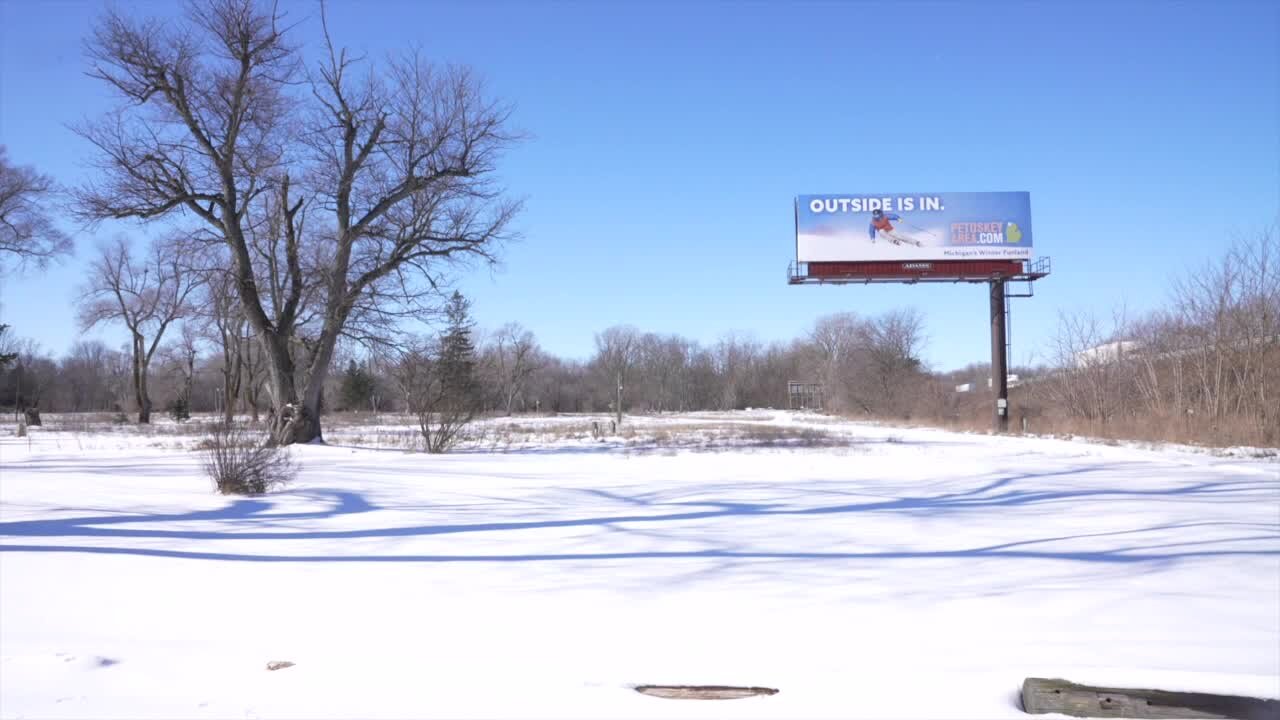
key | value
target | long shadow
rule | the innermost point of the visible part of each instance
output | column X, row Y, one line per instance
column 349, row 502
column 254, row 513
column 136, row 467
column 1101, row 556
column 343, row 503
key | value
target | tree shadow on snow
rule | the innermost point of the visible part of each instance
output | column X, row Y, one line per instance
column 254, row 519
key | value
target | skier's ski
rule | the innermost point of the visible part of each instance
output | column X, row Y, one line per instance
column 899, row 240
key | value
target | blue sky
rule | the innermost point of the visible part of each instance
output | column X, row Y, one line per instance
column 669, row 139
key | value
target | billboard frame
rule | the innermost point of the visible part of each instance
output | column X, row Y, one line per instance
column 910, row 272
column 995, row 273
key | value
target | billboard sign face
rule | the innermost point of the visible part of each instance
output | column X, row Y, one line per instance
column 913, row 226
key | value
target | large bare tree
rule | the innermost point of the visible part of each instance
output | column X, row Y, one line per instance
column 148, row 294
column 513, row 356
column 617, row 352
column 834, row 345
column 397, row 165
column 27, row 232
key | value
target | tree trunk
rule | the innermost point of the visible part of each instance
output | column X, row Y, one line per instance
column 302, row 423
column 247, row 383
column 291, row 421
column 144, row 397
column 228, row 398
column 189, row 381
column 252, row 396
column 140, row 380
column 295, row 423
column 144, row 402
column 231, row 372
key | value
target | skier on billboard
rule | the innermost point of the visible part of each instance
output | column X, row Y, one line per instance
column 880, row 223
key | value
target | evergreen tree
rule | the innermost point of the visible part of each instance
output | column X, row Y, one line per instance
column 5, row 338
column 444, row 391
column 461, row 389
column 357, row 387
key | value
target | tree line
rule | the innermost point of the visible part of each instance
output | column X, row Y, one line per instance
column 205, row 362
column 1205, row 366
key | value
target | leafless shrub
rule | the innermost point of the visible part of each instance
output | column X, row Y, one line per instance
column 1094, row 378
column 241, row 462
column 1202, row 370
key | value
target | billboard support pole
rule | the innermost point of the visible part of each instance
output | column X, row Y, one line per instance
column 999, row 357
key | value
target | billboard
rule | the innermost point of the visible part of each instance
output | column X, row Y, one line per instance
column 913, row 226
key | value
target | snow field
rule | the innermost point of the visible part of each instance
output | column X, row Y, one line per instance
column 881, row 572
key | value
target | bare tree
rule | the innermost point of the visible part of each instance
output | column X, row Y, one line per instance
column 253, row 377
column 85, row 374
column 617, row 350
column 1093, row 378
column 1225, row 322
column 833, row 344
column 28, row 379
column 892, row 351
column 223, row 323
column 27, row 231
column 422, row 379
column 736, row 357
column 399, row 165
column 560, row 386
column 180, row 357
column 147, row 294
column 443, row 412
column 514, row 357
column 663, row 363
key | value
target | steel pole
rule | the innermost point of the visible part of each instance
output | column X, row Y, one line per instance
column 999, row 358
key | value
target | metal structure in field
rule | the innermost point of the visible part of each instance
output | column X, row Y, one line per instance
column 925, row 238
column 804, row 396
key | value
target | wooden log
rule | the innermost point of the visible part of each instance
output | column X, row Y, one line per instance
column 1040, row 695
column 703, row 692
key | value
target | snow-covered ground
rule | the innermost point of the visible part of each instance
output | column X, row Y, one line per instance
column 863, row 571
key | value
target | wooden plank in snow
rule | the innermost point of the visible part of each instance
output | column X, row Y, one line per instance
column 1040, row 695
column 703, row 692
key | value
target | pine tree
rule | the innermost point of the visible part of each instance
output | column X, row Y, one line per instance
column 5, row 338
column 444, row 390
column 357, row 387
column 458, row 356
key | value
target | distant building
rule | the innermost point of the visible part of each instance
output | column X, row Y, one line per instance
column 1106, row 353
column 1012, row 379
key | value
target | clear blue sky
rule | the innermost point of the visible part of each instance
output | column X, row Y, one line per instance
column 670, row 138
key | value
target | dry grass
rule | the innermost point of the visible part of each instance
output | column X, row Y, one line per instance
column 712, row 432
column 1030, row 416
column 673, row 436
column 694, row 431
